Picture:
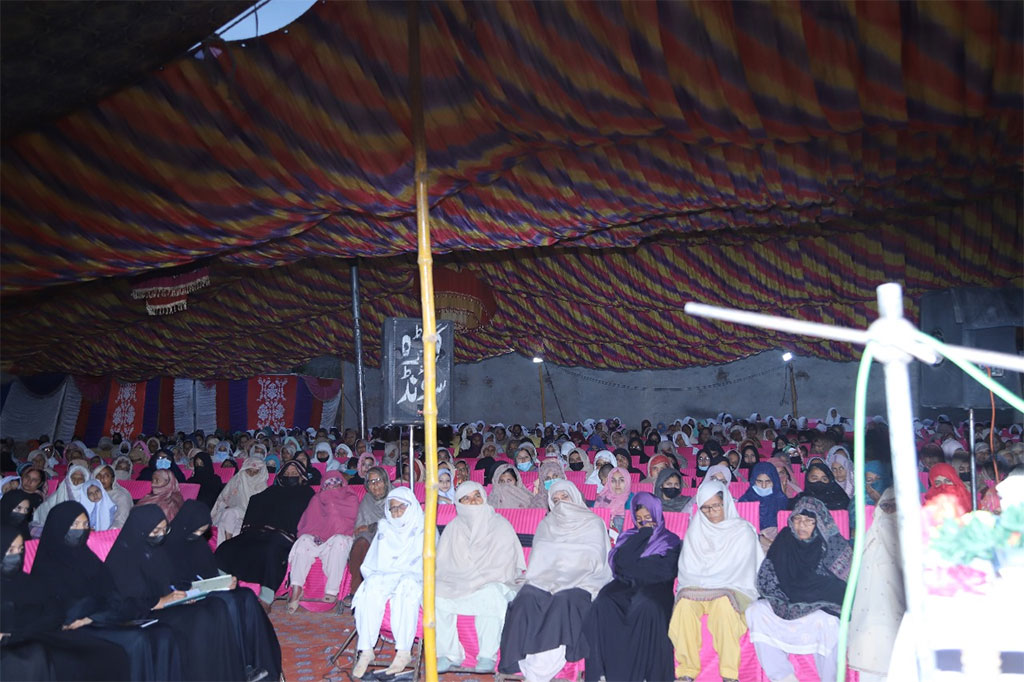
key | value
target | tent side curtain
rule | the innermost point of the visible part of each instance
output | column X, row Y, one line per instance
column 165, row 405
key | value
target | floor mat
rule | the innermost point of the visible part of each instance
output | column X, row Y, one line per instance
column 308, row 639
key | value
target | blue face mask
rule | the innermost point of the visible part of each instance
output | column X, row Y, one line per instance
column 763, row 492
column 548, row 483
column 163, row 464
column 350, row 472
column 524, row 466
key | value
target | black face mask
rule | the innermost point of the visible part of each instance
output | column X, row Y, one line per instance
column 965, row 477
column 76, row 537
column 289, row 480
column 192, row 537
column 816, row 489
column 670, row 493
column 576, row 466
column 17, row 518
column 12, row 563
column 156, row 540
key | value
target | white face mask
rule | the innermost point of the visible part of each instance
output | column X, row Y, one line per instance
column 763, row 492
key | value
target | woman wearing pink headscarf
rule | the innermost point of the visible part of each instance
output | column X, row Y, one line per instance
column 325, row 532
column 616, row 496
column 785, row 470
column 165, row 493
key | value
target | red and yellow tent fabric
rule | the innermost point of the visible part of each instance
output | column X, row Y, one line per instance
column 596, row 164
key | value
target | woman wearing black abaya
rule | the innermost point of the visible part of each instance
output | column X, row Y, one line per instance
column 141, row 570
column 162, row 459
column 260, row 553
column 80, row 587
column 34, row 647
column 191, row 559
column 16, row 508
column 821, row 484
column 209, row 482
column 628, row 626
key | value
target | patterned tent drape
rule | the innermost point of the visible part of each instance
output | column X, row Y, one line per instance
column 775, row 156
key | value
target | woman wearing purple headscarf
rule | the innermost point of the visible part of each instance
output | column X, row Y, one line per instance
column 628, row 625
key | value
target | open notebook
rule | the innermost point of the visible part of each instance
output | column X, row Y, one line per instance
column 201, row 588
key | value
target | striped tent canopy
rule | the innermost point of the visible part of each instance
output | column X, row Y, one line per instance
column 597, row 164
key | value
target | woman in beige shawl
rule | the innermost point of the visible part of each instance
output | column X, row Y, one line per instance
column 879, row 602
column 479, row 561
column 508, row 491
column 229, row 509
column 568, row 567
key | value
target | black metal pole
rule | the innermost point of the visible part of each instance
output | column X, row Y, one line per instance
column 358, row 331
column 974, row 467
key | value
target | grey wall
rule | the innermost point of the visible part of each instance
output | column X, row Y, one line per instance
column 506, row 389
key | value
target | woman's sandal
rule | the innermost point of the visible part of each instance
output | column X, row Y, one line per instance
column 293, row 606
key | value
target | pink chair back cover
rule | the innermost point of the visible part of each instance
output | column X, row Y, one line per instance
column 577, row 478
column 189, row 491
column 138, row 489
column 524, row 521
column 751, row 511
column 605, row 515
column 529, row 479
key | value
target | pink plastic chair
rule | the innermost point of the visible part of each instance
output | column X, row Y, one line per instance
column 606, row 516
column 737, row 489
column 524, row 521
column 138, row 489
column 577, row 478
column 643, row 488
column 225, row 474
column 189, row 491
column 529, row 479
column 101, row 542
column 52, row 485
column 751, row 511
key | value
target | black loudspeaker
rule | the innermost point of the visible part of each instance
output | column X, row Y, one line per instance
column 978, row 318
column 402, row 365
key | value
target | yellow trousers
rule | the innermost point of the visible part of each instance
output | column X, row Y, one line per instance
column 726, row 627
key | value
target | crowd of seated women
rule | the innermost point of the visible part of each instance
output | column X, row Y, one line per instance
column 625, row 599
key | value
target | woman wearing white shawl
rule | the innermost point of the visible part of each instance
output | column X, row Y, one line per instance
column 122, row 499
column 479, row 561
column 392, row 572
column 122, row 468
column 568, row 567
column 507, row 494
column 98, row 505
column 880, row 601
column 838, row 460
column 578, row 460
column 717, row 577
column 71, row 489
column 445, row 485
column 342, row 454
column 602, row 457
column 229, row 509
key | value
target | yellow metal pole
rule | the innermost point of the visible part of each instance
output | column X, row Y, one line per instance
column 425, row 260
